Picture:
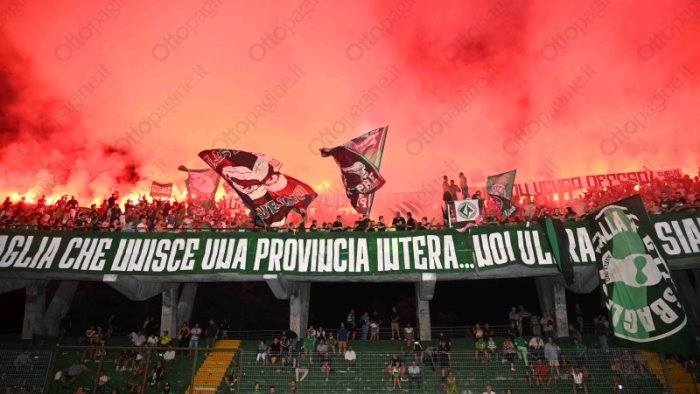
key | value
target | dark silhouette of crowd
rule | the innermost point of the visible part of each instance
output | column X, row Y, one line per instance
column 681, row 194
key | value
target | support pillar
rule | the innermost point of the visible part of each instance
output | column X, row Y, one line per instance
column 552, row 296
column 298, row 294
column 561, row 317
column 279, row 285
column 425, row 289
column 34, row 307
column 59, row 306
column 545, row 294
column 423, row 316
column 299, row 307
column 683, row 282
column 168, row 311
column 185, row 303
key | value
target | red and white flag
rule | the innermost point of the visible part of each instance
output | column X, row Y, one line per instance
column 359, row 160
column 269, row 194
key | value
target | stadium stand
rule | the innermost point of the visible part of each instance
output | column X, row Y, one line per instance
column 232, row 367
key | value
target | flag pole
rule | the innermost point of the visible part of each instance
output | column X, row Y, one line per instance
column 379, row 164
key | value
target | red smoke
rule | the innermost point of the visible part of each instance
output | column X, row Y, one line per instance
column 45, row 148
column 553, row 89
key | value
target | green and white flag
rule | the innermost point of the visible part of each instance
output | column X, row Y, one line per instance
column 465, row 210
column 643, row 301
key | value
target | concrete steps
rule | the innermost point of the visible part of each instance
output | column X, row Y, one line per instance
column 212, row 371
column 678, row 378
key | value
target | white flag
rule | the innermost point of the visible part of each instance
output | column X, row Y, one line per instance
column 466, row 210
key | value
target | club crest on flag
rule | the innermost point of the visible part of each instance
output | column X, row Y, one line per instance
column 636, row 285
column 466, row 210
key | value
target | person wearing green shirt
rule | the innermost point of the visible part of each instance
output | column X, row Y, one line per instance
column 491, row 349
column 302, row 368
column 331, row 342
column 480, row 349
column 309, row 347
column 521, row 346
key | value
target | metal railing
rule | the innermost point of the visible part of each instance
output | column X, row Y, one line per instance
column 131, row 369
column 203, row 370
column 24, row 370
column 455, row 371
column 384, row 332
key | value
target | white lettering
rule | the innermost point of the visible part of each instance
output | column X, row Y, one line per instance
column 274, row 263
column 450, row 254
column 665, row 234
column 418, row 244
column 173, row 263
column 262, row 250
column 191, row 246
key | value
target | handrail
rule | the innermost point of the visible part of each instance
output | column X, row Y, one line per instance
column 463, row 331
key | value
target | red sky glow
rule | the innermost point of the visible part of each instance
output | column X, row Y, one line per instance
column 100, row 95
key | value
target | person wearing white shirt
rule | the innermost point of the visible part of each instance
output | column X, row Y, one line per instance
column 102, row 382
column 408, row 334
column 322, row 347
column 551, row 353
column 169, row 355
column 536, row 347
column 414, row 375
column 89, row 334
column 577, row 380
column 142, row 227
column 152, row 341
column 350, row 357
column 195, row 332
column 489, row 390
column 138, row 339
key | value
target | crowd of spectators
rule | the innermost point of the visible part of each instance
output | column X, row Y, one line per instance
column 141, row 216
column 132, row 360
column 528, row 348
column 679, row 194
column 660, row 196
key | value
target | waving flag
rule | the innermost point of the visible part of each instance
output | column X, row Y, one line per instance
column 359, row 160
column 269, row 194
column 645, row 306
column 201, row 186
column 499, row 187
